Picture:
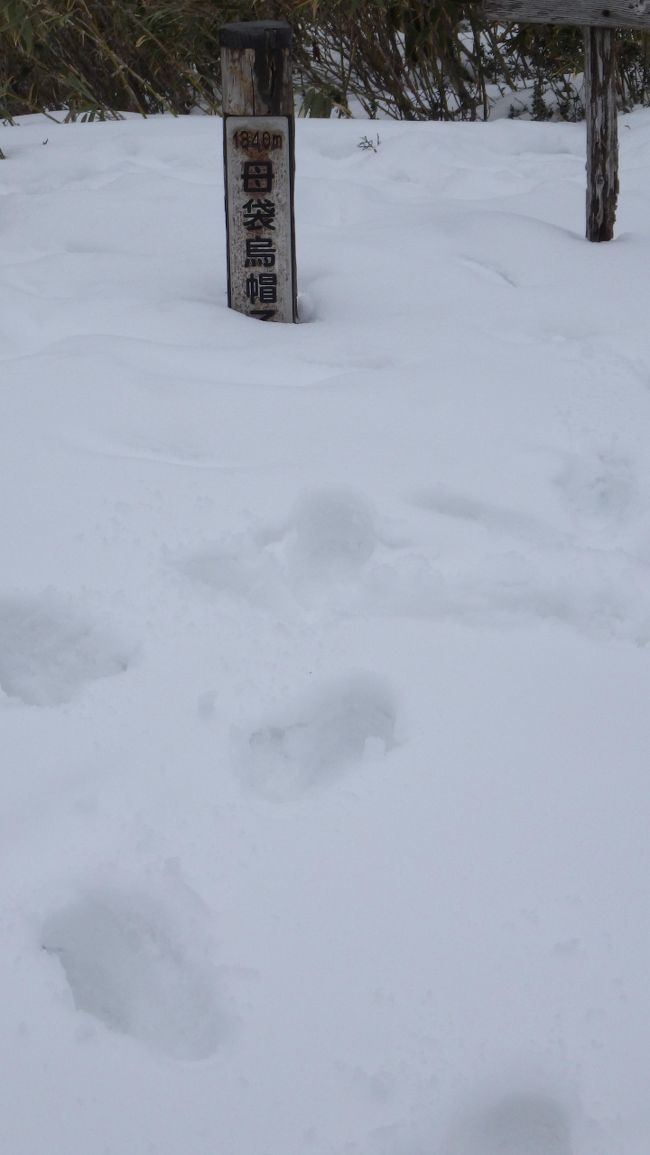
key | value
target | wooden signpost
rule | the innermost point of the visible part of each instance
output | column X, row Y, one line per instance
column 259, row 166
column 599, row 22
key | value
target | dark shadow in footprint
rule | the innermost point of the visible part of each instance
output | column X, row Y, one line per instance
column 488, row 516
column 319, row 739
column 516, row 1125
column 603, row 487
column 127, row 967
column 47, row 652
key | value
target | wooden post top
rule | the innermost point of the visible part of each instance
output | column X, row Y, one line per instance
column 256, row 34
column 256, row 68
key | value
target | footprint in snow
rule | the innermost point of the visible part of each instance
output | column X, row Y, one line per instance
column 487, row 516
column 603, row 487
column 332, row 535
column 553, row 578
column 327, row 540
column 128, row 967
column 330, row 554
column 328, row 536
column 313, row 744
column 48, row 651
column 516, row 1125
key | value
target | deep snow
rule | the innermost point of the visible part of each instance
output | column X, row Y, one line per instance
column 324, row 651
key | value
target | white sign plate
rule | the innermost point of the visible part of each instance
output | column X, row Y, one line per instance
column 258, row 207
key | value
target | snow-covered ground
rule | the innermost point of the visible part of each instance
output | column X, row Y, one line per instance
column 324, row 651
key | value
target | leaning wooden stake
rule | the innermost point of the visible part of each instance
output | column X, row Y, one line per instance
column 259, row 165
column 602, row 133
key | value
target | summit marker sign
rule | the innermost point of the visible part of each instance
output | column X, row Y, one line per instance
column 258, row 145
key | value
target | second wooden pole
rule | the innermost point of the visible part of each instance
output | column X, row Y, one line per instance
column 602, row 133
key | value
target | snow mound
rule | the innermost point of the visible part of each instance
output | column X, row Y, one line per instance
column 333, row 535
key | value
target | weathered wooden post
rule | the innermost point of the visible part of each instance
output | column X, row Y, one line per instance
column 259, row 167
column 602, row 133
column 599, row 20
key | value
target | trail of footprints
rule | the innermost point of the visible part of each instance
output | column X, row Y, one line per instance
column 126, row 963
column 130, row 967
column 334, row 553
